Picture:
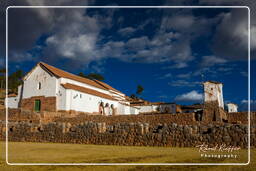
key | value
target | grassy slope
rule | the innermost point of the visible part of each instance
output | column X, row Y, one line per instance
column 49, row 152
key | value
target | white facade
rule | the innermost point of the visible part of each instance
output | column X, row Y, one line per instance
column 127, row 109
column 213, row 92
column 147, row 108
column 42, row 82
column 161, row 107
column 232, row 107
column 12, row 102
column 31, row 84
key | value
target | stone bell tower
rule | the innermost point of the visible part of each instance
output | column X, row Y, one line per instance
column 213, row 102
column 213, row 93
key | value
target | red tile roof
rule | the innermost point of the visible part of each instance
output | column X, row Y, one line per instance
column 107, row 86
column 60, row 73
column 87, row 90
column 12, row 95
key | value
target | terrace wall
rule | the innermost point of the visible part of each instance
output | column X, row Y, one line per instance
column 136, row 134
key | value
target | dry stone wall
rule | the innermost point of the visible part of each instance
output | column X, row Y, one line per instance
column 241, row 117
column 152, row 119
column 137, row 134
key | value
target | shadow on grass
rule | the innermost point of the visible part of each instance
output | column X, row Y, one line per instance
column 125, row 160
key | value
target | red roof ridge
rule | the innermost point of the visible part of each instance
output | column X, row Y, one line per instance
column 87, row 90
column 61, row 73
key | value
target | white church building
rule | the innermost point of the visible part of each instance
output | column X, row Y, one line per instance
column 231, row 107
column 46, row 88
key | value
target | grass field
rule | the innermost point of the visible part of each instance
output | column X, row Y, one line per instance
column 20, row 152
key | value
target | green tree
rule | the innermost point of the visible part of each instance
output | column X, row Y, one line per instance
column 81, row 74
column 95, row 76
column 14, row 80
column 2, row 78
column 133, row 96
column 92, row 76
column 140, row 89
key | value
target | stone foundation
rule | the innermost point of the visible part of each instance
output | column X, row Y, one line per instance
column 47, row 103
column 132, row 134
column 212, row 112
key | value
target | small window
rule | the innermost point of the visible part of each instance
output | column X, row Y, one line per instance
column 80, row 95
column 39, row 86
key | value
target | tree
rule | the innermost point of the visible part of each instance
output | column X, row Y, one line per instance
column 82, row 74
column 95, row 76
column 92, row 76
column 133, row 96
column 140, row 89
column 14, row 80
column 2, row 78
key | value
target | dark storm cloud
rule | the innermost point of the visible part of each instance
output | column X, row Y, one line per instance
column 25, row 26
column 73, row 35
column 231, row 37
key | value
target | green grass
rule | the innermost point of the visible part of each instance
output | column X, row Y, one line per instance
column 24, row 152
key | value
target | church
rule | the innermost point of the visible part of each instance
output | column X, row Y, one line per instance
column 47, row 88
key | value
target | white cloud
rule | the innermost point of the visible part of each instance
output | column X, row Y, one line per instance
column 163, row 97
column 184, row 83
column 179, row 22
column 187, row 75
column 231, row 38
column 168, row 75
column 126, row 31
column 243, row 106
column 21, row 57
column 246, row 101
column 211, row 61
column 192, row 96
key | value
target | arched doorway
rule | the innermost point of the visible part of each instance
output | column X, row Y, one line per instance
column 107, row 110
column 101, row 108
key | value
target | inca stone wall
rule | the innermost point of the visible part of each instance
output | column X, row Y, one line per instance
column 152, row 119
column 241, row 117
column 138, row 134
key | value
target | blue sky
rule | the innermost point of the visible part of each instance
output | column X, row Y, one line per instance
column 167, row 51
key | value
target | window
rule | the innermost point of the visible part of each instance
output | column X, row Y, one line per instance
column 39, row 86
column 37, row 106
column 80, row 95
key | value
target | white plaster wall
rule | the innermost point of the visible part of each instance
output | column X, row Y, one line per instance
column 232, row 107
column 12, row 102
column 84, row 102
column 48, row 84
column 120, row 109
column 65, row 80
column 213, row 92
column 134, row 110
column 126, row 110
column 62, row 98
column 109, row 92
column 147, row 108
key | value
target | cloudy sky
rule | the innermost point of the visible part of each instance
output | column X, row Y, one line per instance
column 167, row 51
